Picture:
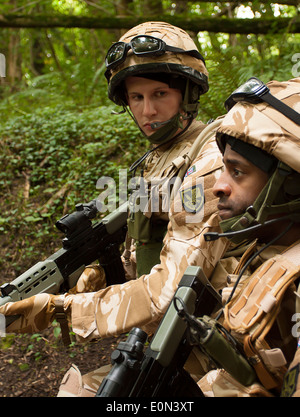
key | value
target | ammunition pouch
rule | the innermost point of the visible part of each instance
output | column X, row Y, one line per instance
column 148, row 253
column 139, row 227
column 148, row 234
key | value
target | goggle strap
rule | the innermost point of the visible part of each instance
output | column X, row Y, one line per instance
column 281, row 107
column 192, row 52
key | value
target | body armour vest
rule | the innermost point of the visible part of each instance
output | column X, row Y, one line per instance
column 150, row 201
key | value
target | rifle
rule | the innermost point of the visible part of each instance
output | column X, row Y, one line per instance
column 83, row 244
column 159, row 371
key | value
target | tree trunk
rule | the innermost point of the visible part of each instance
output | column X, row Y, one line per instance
column 13, row 61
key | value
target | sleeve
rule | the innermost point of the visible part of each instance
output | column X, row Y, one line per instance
column 142, row 302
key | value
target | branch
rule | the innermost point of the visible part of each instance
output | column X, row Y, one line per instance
column 195, row 24
column 286, row 2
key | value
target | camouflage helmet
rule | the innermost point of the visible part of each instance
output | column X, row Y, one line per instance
column 271, row 141
column 176, row 64
column 265, row 127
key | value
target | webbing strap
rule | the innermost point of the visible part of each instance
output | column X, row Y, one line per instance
column 242, row 301
column 61, row 317
column 282, row 107
column 265, row 377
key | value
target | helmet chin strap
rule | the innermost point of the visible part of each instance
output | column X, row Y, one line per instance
column 167, row 130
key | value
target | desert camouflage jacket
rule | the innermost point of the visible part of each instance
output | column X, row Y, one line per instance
column 142, row 302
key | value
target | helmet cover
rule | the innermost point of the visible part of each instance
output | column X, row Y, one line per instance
column 265, row 127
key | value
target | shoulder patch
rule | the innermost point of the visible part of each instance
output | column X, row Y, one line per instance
column 290, row 382
column 192, row 198
column 190, row 171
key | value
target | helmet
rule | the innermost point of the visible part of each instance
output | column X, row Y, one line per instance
column 178, row 64
column 270, row 140
column 175, row 67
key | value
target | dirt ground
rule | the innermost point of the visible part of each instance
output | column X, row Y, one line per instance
column 34, row 365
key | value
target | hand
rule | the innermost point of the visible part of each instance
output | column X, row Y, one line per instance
column 92, row 279
column 36, row 313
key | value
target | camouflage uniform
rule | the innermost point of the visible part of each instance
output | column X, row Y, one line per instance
column 260, row 315
column 113, row 310
column 291, row 382
column 182, row 71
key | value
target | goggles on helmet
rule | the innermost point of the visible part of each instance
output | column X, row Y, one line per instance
column 142, row 45
column 255, row 91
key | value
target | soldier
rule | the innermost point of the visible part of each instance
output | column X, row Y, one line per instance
column 259, row 204
column 156, row 71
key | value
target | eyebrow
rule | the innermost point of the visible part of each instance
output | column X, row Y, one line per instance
column 155, row 89
column 232, row 161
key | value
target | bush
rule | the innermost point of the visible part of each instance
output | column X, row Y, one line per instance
column 51, row 160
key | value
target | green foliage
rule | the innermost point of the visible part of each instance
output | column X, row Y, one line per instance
column 55, row 146
column 232, row 60
column 51, row 160
column 57, row 133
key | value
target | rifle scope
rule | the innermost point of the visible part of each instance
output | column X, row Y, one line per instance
column 79, row 220
column 127, row 360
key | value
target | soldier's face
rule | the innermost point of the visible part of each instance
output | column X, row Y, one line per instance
column 152, row 101
column 239, row 184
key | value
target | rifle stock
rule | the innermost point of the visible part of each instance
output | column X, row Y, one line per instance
column 83, row 244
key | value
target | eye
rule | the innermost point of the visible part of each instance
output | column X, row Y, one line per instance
column 161, row 93
column 136, row 97
column 236, row 172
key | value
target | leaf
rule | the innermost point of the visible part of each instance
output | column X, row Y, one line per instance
column 23, row 367
column 32, row 219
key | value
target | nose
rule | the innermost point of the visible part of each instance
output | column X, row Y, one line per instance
column 148, row 107
column 222, row 186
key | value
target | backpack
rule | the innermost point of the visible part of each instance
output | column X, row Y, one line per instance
column 260, row 316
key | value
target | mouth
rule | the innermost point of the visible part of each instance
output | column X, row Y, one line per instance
column 225, row 212
column 148, row 128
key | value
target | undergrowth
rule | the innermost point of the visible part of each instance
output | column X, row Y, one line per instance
column 51, row 160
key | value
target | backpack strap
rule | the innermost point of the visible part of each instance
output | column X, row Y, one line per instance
column 264, row 375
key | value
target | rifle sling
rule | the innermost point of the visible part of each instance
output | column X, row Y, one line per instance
column 61, row 317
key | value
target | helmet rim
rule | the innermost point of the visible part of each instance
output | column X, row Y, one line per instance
column 195, row 76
